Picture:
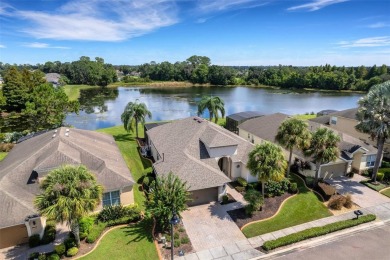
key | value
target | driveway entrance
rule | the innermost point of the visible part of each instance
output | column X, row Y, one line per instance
column 361, row 194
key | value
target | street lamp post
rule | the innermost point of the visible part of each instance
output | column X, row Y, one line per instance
column 174, row 221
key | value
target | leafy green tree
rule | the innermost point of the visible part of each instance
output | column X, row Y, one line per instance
column 266, row 162
column 3, row 101
column 48, row 106
column 14, row 90
column 255, row 200
column 293, row 133
column 323, row 148
column 68, row 194
column 168, row 193
column 214, row 105
column 374, row 118
column 200, row 74
column 133, row 114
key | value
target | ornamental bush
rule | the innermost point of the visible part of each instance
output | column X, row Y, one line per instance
column 293, row 187
column 242, row 182
column 255, row 200
column 380, row 176
column 53, row 257
column 49, row 234
column 34, row 240
column 337, row 202
column 95, row 232
column 72, row 251
column 60, row 249
column 85, row 224
column 185, row 240
column 277, row 187
column 113, row 213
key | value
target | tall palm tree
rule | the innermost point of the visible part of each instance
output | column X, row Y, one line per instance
column 69, row 193
column 134, row 113
column 266, row 161
column 293, row 133
column 374, row 118
column 214, row 105
column 323, row 148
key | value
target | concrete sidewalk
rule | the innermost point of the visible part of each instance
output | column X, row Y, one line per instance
column 245, row 249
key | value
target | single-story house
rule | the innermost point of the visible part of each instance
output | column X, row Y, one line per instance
column 233, row 120
column 201, row 153
column 345, row 121
column 325, row 112
column 53, row 78
column 354, row 154
column 31, row 160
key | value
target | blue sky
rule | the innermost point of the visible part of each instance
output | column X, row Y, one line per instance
column 230, row 32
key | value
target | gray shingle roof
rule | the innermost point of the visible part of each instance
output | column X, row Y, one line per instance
column 184, row 154
column 244, row 115
column 348, row 113
column 97, row 151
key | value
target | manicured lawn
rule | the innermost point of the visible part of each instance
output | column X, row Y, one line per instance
column 2, row 155
column 129, row 148
column 299, row 209
column 131, row 242
column 386, row 192
column 305, row 117
column 377, row 187
column 73, row 91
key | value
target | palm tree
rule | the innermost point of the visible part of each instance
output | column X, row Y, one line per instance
column 293, row 133
column 134, row 112
column 266, row 161
column 69, row 193
column 323, row 148
column 374, row 118
column 214, row 105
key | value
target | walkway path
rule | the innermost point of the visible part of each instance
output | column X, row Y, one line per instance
column 245, row 248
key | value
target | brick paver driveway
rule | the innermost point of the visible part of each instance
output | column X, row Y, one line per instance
column 210, row 226
column 361, row 194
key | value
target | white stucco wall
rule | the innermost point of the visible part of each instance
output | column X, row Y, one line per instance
column 222, row 151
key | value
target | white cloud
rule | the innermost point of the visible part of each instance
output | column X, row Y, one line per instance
column 378, row 25
column 315, row 5
column 2, row 46
column 41, row 45
column 206, row 6
column 366, row 42
column 100, row 20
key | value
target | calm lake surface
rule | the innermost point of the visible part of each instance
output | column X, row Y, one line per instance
column 103, row 108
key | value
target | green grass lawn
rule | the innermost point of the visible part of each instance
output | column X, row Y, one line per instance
column 129, row 149
column 2, row 155
column 73, row 91
column 386, row 192
column 302, row 208
column 131, row 242
column 377, row 187
column 305, row 117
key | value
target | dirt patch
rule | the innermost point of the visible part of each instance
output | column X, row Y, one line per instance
column 270, row 207
column 343, row 210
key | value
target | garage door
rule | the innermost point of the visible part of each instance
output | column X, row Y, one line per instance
column 13, row 236
column 334, row 170
column 203, row 196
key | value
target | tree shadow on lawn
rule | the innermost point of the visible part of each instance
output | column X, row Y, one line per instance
column 139, row 231
column 124, row 137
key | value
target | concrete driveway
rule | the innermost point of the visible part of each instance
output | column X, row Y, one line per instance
column 210, row 226
column 361, row 194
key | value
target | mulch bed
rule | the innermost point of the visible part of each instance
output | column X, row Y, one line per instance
column 166, row 251
column 270, row 207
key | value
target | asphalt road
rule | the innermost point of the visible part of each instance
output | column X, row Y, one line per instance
column 373, row 244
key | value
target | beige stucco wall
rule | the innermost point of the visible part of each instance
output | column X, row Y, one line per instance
column 127, row 196
column 221, row 151
column 14, row 235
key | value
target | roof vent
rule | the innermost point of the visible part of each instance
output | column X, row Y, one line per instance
column 67, row 129
column 54, row 135
column 67, row 134
column 55, row 131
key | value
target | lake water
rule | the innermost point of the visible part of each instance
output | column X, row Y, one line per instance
column 103, row 108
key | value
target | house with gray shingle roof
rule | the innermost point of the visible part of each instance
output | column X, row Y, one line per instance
column 31, row 160
column 203, row 154
column 355, row 155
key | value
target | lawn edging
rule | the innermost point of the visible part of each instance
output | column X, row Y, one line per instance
column 304, row 183
column 276, row 213
column 316, row 232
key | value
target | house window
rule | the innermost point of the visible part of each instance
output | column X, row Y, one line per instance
column 333, row 120
column 111, row 198
column 370, row 161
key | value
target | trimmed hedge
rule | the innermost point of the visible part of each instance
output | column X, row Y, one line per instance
column 242, row 181
column 60, row 249
column 49, row 234
column 34, row 240
column 72, row 251
column 316, row 231
column 95, row 232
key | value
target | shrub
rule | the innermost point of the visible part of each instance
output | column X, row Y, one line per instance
column 315, row 232
column 168, row 238
column 72, row 251
column 386, row 175
column 337, row 202
column 85, row 224
column 113, row 213
column 176, row 243
column 6, row 147
column 385, row 164
column 181, row 229
column 95, row 232
column 277, row 187
column 380, row 176
column 242, row 182
column 49, row 235
column 293, row 187
column 33, row 255
column 185, row 240
column 255, row 200
column 240, row 188
column 326, row 190
column 42, row 256
column 225, row 199
column 309, row 181
column 83, row 235
column 34, row 240
column 176, row 235
column 60, row 249
column 53, row 257
column 348, row 201
column 70, row 242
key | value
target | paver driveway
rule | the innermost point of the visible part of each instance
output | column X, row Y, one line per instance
column 361, row 194
column 210, row 226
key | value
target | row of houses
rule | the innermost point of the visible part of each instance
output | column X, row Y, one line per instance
column 203, row 154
